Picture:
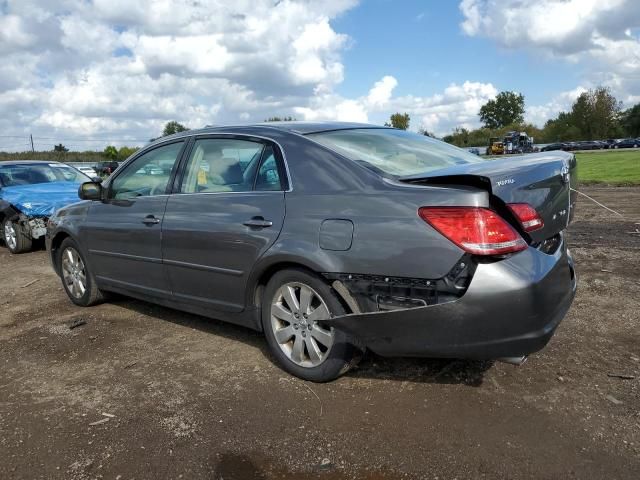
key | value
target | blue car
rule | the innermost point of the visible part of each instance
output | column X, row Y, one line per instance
column 30, row 192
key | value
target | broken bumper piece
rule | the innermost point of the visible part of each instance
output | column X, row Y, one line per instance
column 37, row 227
column 511, row 308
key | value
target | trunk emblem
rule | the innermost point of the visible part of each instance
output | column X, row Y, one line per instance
column 506, row 181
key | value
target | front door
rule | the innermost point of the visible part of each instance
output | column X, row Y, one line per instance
column 123, row 232
column 229, row 210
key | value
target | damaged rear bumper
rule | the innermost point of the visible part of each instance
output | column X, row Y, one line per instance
column 511, row 308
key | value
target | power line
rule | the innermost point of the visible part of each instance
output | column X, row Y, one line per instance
column 76, row 139
column 14, row 145
column 71, row 139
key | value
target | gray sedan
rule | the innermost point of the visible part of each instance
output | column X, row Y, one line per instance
column 332, row 238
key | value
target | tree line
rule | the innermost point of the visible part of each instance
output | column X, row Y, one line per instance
column 595, row 115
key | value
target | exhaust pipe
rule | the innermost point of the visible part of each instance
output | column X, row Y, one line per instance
column 517, row 361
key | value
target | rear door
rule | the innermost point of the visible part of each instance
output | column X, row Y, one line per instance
column 123, row 233
column 227, row 211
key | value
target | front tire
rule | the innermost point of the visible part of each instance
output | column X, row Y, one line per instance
column 77, row 279
column 293, row 306
column 15, row 238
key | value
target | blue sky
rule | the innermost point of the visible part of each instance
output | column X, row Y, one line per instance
column 423, row 46
column 117, row 70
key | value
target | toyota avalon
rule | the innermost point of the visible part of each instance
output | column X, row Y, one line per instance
column 332, row 238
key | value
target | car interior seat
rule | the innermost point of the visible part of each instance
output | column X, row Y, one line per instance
column 232, row 173
column 37, row 177
column 21, row 177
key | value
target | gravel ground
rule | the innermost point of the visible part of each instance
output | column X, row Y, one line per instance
column 140, row 391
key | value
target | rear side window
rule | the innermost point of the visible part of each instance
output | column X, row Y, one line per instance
column 229, row 165
column 268, row 178
column 394, row 152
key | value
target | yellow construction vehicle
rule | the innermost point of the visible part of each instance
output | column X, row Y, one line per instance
column 496, row 146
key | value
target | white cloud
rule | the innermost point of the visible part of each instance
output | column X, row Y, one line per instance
column 381, row 92
column 539, row 114
column 457, row 105
column 121, row 68
column 599, row 34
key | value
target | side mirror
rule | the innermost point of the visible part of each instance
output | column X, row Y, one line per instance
column 90, row 191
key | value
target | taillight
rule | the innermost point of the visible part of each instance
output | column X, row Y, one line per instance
column 527, row 216
column 476, row 230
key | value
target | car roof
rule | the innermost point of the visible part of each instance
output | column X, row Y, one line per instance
column 299, row 127
column 304, row 128
column 26, row 162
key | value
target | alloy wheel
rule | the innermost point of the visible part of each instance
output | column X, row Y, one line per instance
column 73, row 272
column 10, row 235
column 295, row 311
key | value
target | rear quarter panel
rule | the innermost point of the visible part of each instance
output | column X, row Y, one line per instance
column 389, row 238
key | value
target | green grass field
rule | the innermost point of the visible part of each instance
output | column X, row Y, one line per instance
column 616, row 167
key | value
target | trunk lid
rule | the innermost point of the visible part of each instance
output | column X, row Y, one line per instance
column 543, row 180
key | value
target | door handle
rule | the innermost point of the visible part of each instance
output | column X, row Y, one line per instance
column 150, row 220
column 258, row 222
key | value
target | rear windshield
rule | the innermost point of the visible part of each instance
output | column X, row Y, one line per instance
column 29, row 174
column 394, row 152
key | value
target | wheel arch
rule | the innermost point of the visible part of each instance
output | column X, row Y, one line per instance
column 6, row 210
column 262, row 273
column 56, row 241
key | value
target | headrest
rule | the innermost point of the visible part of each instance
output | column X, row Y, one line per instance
column 232, row 175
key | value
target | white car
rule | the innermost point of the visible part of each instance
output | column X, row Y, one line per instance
column 89, row 171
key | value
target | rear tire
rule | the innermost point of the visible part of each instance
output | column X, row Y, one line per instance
column 77, row 279
column 294, row 300
column 15, row 238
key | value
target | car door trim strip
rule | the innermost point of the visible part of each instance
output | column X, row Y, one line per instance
column 207, row 268
column 125, row 256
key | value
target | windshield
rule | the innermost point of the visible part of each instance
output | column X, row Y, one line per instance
column 29, row 174
column 394, row 152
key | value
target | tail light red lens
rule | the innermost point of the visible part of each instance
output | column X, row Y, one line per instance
column 476, row 230
column 527, row 216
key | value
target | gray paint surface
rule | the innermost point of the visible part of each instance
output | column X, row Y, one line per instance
column 200, row 257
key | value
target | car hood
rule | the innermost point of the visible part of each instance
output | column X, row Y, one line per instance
column 40, row 199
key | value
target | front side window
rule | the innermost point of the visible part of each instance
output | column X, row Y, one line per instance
column 394, row 152
column 147, row 175
column 222, row 165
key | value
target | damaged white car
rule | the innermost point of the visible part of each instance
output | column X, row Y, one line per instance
column 30, row 192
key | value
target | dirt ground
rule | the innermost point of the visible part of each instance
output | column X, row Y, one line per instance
column 141, row 391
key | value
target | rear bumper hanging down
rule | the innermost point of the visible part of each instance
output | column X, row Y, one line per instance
column 511, row 308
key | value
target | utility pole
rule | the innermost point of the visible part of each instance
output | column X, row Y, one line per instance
column 31, row 137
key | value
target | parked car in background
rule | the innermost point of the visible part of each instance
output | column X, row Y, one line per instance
column 331, row 238
column 474, row 150
column 588, row 145
column 30, row 191
column 106, row 168
column 87, row 170
column 627, row 143
column 553, row 146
